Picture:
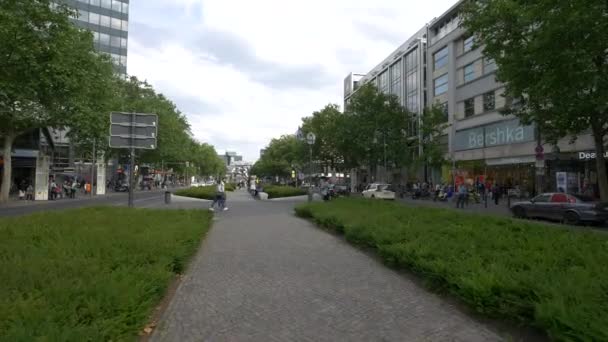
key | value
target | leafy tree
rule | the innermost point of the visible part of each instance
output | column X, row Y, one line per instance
column 281, row 156
column 45, row 63
column 375, row 126
column 434, row 123
column 552, row 54
column 325, row 124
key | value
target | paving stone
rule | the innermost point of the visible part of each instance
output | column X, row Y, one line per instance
column 264, row 275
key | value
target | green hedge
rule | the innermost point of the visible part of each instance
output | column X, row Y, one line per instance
column 276, row 191
column 203, row 192
column 544, row 276
column 91, row 274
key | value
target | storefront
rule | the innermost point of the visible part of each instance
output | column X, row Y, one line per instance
column 573, row 173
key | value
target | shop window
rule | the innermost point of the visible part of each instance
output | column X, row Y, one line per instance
column 469, row 107
column 559, row 198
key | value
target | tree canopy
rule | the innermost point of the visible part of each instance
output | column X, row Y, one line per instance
column 52, row 77
column 553, row 57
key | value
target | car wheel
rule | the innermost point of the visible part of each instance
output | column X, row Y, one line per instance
column 571, row 218
column 519, row 212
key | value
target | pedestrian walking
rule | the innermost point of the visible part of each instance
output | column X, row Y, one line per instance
column 495, row 193
column 74, row 188
column 462, row 196
column 29, row 193
column 52, row 188
column 220, row 197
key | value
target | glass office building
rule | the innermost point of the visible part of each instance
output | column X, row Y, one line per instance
column 109, row 22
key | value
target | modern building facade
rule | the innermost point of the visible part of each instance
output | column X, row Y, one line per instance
column 485, row 145
column 402, row 73
column 482, row 144
column 108, row 20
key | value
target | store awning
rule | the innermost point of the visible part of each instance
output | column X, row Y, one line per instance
column 511, row 160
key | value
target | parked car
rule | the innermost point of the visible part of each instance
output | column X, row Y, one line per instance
column 562, row 207
column 379, row 191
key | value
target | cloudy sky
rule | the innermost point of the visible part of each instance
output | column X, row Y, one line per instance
column 245, row 71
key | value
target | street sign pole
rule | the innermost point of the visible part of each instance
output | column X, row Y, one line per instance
column 132, row 167
column 93, row 164
column 133, row 131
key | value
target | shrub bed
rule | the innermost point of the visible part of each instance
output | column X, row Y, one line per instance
column 548, row 277
column 92, row 274
column 203, row 192
column 277, row 191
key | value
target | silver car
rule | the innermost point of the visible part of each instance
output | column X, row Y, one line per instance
column 562, row 207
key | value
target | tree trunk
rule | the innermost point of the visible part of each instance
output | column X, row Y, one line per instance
column 7, row 170
column 602, row 176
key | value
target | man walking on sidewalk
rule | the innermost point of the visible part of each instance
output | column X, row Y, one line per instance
column 220, row 196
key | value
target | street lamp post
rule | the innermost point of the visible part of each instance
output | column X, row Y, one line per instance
column 310, row 139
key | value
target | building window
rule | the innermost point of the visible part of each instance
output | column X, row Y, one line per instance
column 106, row 4
column 123, row 43
column 94, row 18
column 105, row 21
column 116, row 5
column 125, row 25
column 116, row 23
column 441, row 84
column 445, row 110
column 489, row 101
column 488, row 65
column 469, row 72
column 83, row 15
column 384, row 82
column 468, row 44
column 440, row 58
column 469, row 107
column 95, row 2
column 125, row 8
column 115, row 41
column 104, row 39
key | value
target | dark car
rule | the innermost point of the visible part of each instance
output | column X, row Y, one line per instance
column 562, row 207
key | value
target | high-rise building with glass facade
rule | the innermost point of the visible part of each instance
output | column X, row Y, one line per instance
column 109, row 22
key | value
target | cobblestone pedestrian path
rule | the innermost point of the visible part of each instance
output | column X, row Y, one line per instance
column 264, row 275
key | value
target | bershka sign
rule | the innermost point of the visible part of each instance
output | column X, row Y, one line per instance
column 502, row 133
column 590, row 155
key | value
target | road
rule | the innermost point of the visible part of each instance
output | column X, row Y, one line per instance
column 142, row 199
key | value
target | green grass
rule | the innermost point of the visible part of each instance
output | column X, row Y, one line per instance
column 90, row 274
column 548, row 277
column 275, row 191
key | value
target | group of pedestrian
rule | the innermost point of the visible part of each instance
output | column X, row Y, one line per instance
column 68, row 188
column 26, row 190
column 464, row 193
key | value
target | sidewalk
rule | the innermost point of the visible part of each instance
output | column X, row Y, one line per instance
column 264, row 275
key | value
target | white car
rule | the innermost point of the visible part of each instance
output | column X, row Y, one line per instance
column 379, row 191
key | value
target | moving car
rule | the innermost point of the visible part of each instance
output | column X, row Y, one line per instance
column 379, row 191
column 562, row 207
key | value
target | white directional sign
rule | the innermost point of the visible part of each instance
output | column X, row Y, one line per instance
column 133, row 130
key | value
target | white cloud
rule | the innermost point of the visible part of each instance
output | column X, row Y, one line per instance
column 241, row 62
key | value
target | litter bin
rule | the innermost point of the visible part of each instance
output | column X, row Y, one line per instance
column 167, row 197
